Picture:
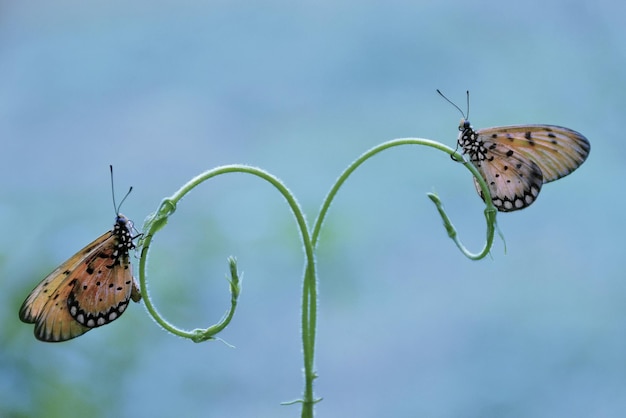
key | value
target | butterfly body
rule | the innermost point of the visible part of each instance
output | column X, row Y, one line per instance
column 516, row 161
column 91, row 289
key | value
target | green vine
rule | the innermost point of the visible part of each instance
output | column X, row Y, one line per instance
column 309, row 237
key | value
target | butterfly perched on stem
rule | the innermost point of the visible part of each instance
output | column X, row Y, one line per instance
column 515, row 161
column 91, row 289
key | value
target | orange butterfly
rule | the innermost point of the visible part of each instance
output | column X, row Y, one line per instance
column 516, row 161
column 89, row 290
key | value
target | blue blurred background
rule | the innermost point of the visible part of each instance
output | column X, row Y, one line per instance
column 407, row 326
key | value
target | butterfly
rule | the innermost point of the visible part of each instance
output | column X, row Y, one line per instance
column 91, row 289
column 515, row 161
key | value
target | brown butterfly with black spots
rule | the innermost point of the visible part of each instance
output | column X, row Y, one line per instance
column 516, row 161
column 91, row 289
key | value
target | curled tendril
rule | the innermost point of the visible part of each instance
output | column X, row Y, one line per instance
column 158, row 220
column 490, row 214
column 201, row 335
column 196, row 335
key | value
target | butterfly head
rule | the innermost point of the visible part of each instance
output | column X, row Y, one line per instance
column 464, row 125
column 123, row 221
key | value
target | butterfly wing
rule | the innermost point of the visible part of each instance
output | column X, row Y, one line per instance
column 46, row 305
column 514, row 182
column 90, row 289
column 556, row 150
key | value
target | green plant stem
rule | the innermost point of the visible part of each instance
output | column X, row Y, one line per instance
column 490, row 210
column 309, row 291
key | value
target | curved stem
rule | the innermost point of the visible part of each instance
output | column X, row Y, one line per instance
column 159, row 219
column 490, row 210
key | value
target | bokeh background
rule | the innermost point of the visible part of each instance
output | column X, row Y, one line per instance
column 407, row 326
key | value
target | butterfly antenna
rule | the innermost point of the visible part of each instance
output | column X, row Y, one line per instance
column 452, row 103
column 467, row 116
column 115, row 206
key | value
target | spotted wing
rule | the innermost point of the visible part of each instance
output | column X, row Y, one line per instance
column 514, row 181
column 556, row 150
column 104, row 296
column 46, row 306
